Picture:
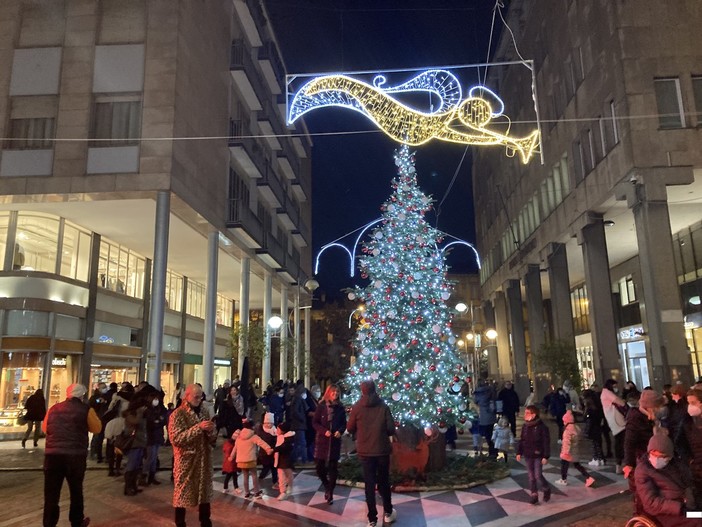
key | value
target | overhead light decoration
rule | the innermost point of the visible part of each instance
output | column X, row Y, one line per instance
column 457, row 120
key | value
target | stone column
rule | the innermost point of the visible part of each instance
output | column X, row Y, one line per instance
column 90, row 312
column 502, row 355
column 208, row 343
column 296, row 353
column 537, row 337
column 599, row 292
column 516, row 319
column 267, row 312
column 158, row 289
column 661, row 307
column 559, row 284
column 284, row 332
column 244, row 288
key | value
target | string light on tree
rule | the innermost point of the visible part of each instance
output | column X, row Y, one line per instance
column 405, row 342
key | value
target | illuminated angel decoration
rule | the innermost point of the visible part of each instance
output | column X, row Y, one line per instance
column 454, row 119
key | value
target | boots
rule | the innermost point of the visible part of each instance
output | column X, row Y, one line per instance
column 143, row 480
column 152, row 479
column 130, row 483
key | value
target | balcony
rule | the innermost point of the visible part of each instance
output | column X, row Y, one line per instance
column 288, row 214
column 246, row 153
column 244, row 224
column 271, row 189
column 272, row 252
column 243, row 72
column 251, row 17
column 271, row 66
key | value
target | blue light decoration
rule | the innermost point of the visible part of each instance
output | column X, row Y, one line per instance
column 454, row 119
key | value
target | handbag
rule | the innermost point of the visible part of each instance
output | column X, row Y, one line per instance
column 124, row 441
column 22, row 419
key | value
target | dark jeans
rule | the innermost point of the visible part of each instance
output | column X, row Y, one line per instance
column 327, row 472
column 536, row 475
column 512, row 418
column 37, row 431
column 58, row 467
column 486, row 432
column 203, row 515
column 265, row 468
column 564, row 469
column 96, row 445
column 229, row 476
column 619, row 447
column 299, row 447
column 376, row 469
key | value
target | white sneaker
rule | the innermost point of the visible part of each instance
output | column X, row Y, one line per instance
column 594, row 463
column 600, row 462
column 560, row 441
column 389, row 518
column 588, row 482
column 371, row 524
column 282, row 496
column 561, row 482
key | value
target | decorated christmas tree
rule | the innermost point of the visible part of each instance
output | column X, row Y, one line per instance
column 404, row 342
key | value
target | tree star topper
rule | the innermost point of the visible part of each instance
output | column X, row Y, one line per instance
column 454, row 119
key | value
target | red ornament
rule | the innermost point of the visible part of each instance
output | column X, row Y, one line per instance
column 396, row 374
column 393, row 356
column 361, row 370
column 401, row 275
column 375, row 357
column 432, row 367
column 397, row 424
column 438, row 410
column 415, row 342
column 381, row 385
column 408, row 386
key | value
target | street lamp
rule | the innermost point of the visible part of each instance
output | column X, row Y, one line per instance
column 359, row 309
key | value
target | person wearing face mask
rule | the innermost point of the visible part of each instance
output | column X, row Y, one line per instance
column 535, row 446
column 192, row 434
column 298, row 423
column 276, row 403
column 156, row 418
column 615, row 410
column 661, row 485
column 638, row 431
column 689, row 440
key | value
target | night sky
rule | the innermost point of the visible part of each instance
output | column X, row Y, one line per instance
column 353, row 163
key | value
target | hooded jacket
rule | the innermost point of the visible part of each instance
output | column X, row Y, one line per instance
column 373, row 424
column 615, row 418
column 535, row 441
column 662, row 492
column 283, row 450
column 570, row 435
column 245, row 446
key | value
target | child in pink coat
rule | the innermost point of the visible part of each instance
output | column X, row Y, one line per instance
column 570, row 435
column 245, row 452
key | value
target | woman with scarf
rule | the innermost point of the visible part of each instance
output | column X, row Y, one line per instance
column 232, row 411
column 329, row 423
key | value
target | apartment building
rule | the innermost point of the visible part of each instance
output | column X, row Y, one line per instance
column 600, row 245
column 151, row 195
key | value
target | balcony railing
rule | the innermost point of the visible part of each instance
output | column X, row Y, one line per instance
column 241, row 216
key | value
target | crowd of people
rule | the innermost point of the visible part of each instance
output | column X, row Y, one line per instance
column 653, row 439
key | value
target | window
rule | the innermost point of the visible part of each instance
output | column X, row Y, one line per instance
column 627, row 291
column 697, row 93
column 225, row 310
column 75, row 253
column 174, row 290
column 578, row 161
column 590, row 157
column 565, row 180
column 669, row 100
column 120, row 269
column 31, row 133
column 196, row 300
column 116, row 121
column 36, row 242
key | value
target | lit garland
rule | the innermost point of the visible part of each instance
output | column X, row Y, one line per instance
column 405, row 343
column 409, row 125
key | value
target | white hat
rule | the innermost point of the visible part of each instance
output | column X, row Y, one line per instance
column 76, row 390
column 268, row 419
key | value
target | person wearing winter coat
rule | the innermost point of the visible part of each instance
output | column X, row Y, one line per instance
column 276, row 403
column 593, row 427
column 638, row 431
column 485, row 399
column 245, row 453
column 283, row 459
column 510, row 405
column 502, row 436
column 192, row 434
column 329, row 423
column 135, row 424
column 570, row 436
column 232, row 411
column 535, row 447
column 573, row 397
column 268, row 432
column 615, row 409
column 662, row 487
column 35, row 411
column 689, row 441
column 557, row 405
column 156, row 417
column 229, row 465
column 298, row 423
column 372, row 423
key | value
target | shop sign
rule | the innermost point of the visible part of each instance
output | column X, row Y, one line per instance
column 222, row 362
column 105, row 339
column 56, row 361
column 632, row 333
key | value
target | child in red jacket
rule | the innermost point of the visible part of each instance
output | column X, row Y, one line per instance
column 228, row 465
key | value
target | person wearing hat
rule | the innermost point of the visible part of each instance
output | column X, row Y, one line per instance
column 267, row 431
column 66, row 426
column 637, row 432
column 372, row 423
column 688, row 442
column 662, row 487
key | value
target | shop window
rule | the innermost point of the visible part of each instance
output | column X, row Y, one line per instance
column 109, row 370
column 120, row 269
column 116, row 121
column 112, row 334
column 36, row 242
column 65, row 370
column 4, row 223
column 196, row 300
column 67, row 327
column 75, row 253
column 27, row 323
column 174, row 290
column 22, row 375
column 225, row 310
column 669, row 100
column 627, row 291
column 170, row 343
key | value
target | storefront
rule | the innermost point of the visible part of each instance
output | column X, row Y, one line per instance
column 586, row 360
column 693, row 335
column 22, row 375
column 193, row 371
column 632, row 345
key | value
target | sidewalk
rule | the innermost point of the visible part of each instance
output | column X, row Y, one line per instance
column 501, row 504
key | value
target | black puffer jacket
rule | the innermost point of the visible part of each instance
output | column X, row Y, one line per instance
column 689, row 445
column 535, row 440
column 373, row 425
column 36, row 406
column 637, row 433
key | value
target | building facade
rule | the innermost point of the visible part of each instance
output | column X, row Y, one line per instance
column 599, row 245
column 151, row 194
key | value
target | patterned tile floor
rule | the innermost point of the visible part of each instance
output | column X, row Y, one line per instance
column 504, row 503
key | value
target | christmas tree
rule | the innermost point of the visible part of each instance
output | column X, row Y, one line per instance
column 404, row 342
